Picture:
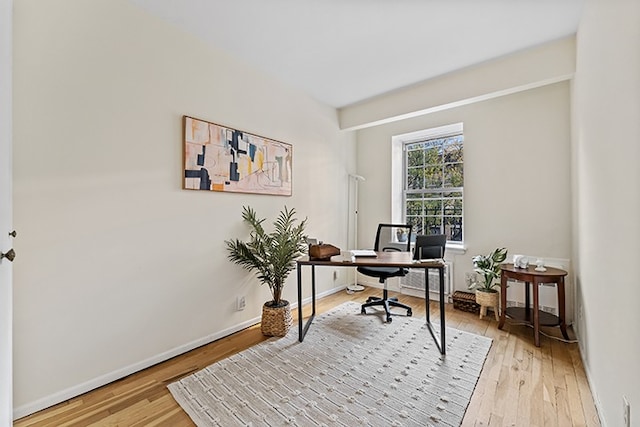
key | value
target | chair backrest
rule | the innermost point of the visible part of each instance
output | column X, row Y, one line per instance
column 429, row 246
column 393, row 237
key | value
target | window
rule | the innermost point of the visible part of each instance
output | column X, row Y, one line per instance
column 433, row 181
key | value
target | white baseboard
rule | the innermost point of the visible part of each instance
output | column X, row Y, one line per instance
column 596, row 399
column 71, row 392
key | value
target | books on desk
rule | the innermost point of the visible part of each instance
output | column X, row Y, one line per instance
column 363, row 253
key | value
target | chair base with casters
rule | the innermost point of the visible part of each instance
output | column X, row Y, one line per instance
column 386, row 302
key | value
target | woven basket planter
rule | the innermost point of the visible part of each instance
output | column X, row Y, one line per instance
column 488, row 300
column 276, row 321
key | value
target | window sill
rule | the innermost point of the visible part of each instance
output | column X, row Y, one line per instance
column 457, row 249
column 451, row 248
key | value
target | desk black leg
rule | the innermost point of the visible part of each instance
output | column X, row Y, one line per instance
column 427, row 300
column 440, row 343
column 443, row 328
column 300, row 335
column 313, row 291
column 303, row 328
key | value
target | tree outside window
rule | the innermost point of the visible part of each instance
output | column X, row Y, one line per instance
column 433, row 186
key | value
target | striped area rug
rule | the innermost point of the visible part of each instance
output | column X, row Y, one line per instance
column 351, row 370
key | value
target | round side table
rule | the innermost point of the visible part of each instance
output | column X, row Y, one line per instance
column 531, row 313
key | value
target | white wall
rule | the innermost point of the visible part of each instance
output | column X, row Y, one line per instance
column 119, row 266
column 6, row 292
column 517, row 189
column 527, row 69
column 607, row 131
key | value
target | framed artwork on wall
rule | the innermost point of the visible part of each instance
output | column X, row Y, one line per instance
column 218, row 158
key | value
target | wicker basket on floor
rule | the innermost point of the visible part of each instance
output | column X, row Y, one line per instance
column 276, row 321
column 465, row 301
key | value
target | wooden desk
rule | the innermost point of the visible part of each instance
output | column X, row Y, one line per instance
column 533, row 315
column 383, row 259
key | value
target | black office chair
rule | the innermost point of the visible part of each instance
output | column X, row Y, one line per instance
column 429, row 246
column 390, row 237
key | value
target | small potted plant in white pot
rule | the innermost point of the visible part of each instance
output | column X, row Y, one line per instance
column 488, row 267
column 272, row 256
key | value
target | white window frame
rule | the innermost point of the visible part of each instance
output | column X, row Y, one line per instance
column 398, row 170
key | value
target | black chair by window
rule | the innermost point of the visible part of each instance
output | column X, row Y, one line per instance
column 429, row 246
column 390, row 237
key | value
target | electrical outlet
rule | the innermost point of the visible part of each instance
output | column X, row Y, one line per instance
column 241, row 303
column 470, row 278
column 626, row 412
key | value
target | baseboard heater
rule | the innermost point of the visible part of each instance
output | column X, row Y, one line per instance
column 414, row 280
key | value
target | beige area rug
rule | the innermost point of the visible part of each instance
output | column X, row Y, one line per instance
column 351, row 370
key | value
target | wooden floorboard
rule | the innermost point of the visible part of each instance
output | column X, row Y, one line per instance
column 520, row 384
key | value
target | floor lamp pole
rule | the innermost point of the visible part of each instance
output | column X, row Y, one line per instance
column 354, row 287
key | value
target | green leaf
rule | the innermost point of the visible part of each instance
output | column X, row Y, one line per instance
column 488, row 267
column 272, row 256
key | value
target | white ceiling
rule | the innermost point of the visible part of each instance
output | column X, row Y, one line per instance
column 345, row 51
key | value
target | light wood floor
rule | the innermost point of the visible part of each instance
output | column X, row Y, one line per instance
column 520, row 384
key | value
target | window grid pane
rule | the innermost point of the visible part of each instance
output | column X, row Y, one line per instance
column 434, row 180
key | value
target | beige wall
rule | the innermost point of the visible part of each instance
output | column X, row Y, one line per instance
column 119, row 267
column 528, row 69
column 517, row 174
column 6, row 212
column 607, row 150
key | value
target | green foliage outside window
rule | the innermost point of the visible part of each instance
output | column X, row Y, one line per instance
column 434, row 183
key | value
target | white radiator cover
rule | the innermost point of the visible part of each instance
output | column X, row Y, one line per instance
column 415, row 281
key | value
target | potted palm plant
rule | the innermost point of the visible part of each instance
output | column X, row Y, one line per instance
column 488, row 267
column 272, row 256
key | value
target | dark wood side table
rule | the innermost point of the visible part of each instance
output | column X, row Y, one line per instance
column 529, row 314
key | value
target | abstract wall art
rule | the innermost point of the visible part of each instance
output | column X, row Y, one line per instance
column 218, row 158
